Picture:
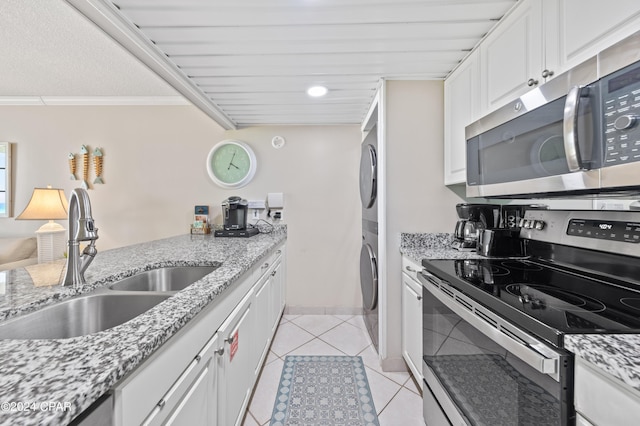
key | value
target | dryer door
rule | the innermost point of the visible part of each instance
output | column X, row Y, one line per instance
column 368, row 277
column 368, row 175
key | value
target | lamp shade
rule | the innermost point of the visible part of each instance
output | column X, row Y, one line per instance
column 45, row 204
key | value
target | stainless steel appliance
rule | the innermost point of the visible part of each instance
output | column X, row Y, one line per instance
column 369, row 250
column 576, row 134
column 234, row 213
column 494, row 328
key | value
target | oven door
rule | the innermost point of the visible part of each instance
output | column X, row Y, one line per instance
column 481, row 370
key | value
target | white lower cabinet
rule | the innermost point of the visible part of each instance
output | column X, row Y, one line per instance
column 236, row 375
column 193, row 395
column 412, row 319
column 205, row 373
column 601, row 399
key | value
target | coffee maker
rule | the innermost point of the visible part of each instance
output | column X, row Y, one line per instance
column 234, row 213
column 473, row 219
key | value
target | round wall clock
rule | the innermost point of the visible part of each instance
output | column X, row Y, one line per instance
column 231, row 164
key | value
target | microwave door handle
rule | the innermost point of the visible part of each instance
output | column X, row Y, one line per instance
column 570, row 129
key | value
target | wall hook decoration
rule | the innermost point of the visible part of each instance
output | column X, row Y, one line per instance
column 85, row 166
column 98, row 158
column 72, row 165
column 97, row 165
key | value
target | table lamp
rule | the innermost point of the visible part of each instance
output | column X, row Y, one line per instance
column 48, row 204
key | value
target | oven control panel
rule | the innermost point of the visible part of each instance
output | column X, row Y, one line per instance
column 609, row 231
column 605, row 230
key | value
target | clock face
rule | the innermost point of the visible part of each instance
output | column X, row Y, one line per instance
column 231, row 164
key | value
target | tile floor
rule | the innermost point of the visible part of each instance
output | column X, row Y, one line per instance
column 395, row 395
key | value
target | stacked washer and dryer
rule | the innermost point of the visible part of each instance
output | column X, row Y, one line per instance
column 369, row 251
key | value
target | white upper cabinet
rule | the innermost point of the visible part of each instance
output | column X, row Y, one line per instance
column 588, row 26
column 512, row 56
column 535, row 42
column 461, row 107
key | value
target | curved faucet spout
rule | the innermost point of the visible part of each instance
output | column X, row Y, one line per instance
column 81, row 228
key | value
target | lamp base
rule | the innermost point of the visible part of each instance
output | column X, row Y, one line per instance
column 51, row 242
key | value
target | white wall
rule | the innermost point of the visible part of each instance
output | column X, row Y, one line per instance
column 154, row 172
column 154, row 169
column 317, row 170
column 417, row 200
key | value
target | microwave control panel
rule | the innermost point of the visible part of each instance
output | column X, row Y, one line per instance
column 628, row 232
column 621, row 103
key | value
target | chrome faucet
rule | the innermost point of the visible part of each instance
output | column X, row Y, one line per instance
column 81, row 228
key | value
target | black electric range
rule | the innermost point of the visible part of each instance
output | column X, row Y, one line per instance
column 581, row 275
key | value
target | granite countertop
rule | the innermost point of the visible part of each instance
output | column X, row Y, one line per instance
column 617, row 354
column 75, row 372
column 432, row 246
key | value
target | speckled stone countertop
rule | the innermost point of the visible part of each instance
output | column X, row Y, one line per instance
column 617, row 354
column 432, row 246
column 75, row 372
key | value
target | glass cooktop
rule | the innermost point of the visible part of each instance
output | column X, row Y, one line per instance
column 541, row 299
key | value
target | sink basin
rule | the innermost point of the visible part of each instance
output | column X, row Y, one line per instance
column 80, row 316
column 173, row 278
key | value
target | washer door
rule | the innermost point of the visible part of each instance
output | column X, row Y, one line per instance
column 368, row 175
column 368, row 277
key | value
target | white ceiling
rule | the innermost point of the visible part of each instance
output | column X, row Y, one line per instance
column 49, row 50
column 243, row 62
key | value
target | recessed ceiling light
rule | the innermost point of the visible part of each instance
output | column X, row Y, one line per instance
column 317, row 91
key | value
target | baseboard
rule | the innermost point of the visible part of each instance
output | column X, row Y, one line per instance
column 393, row 364
column 319, row 310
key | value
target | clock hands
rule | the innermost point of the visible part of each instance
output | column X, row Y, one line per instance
column 231, row 162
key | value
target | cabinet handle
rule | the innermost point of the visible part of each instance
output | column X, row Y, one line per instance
column 419, row 297
column 547, row 73
column 266, row 265
column 278, row 251
column 198, row 358
column 531, row 82
column 220, row 351
column 161, row 403
column 273, row 274
column 229, row 340
column 410, row 269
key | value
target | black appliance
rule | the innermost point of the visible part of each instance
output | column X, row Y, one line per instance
column 576, row 134
column 472, row 220
column 234, row 213
column 494, row 328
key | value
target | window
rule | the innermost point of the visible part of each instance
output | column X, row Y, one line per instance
column 5, row 179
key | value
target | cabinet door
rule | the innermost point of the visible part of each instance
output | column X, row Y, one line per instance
column 512, row 56
column 276, row 296
column 236, row 374
column 262, row 305
column 192, row 398
column 588, row 26
column 412, row 326
column 197, row 404
column 461, row 106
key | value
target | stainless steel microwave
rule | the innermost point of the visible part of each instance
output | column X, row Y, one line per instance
column 578, row 134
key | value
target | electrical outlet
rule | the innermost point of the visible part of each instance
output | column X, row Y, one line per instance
column 256, row 214
column 278, row 215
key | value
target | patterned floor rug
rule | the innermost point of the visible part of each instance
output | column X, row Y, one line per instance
column 324, row 391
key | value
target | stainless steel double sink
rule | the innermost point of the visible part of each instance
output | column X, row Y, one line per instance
column 104, row 308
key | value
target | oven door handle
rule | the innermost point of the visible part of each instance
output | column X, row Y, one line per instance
column 570, row 129
column 519, row 343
